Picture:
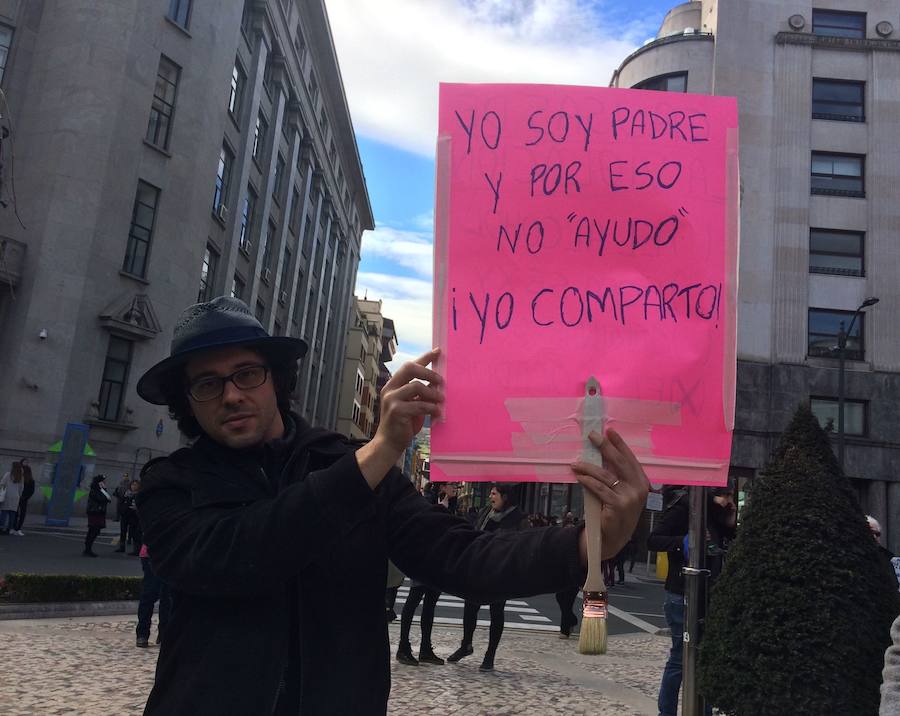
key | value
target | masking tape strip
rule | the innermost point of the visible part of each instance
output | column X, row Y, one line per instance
column 732, row 254
column 560, row 410
column 440, row 301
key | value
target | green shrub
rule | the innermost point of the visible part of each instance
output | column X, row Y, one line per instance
column 18, row 587
column 801, row 614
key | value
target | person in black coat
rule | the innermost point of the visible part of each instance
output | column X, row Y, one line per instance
column 420, row 592
column 274, row 536
column 98, row 500
column 501, row 514
column 669, row 536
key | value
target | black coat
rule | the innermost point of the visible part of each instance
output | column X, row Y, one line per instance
column 282, row 576
column 668, row 536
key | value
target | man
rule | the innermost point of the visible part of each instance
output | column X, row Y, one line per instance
column 887, row 558
column 274, row 536
column 669, row 536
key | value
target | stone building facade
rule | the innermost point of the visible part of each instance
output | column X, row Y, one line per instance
column 163, row 152
column 371, row 344
column 817, row 89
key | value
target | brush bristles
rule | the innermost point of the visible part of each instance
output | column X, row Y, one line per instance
column 593, row 636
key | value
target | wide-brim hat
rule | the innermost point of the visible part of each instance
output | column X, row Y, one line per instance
column 222, row 322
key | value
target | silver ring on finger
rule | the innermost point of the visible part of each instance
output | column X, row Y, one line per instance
column 615, row 483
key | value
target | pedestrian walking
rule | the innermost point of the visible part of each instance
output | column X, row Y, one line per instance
column 420, row 592
column 274, row 536
column 620, row 565
column 119, row 494
column 394, row 579
column 502, row 514
column 98, row 500
column 608, row 568
column 669, row 536
column 153, row 590
column 130, row 525
column 27, row 492
column 568, row 620
column 10, row 493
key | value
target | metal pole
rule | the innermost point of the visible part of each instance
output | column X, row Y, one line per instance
column 694, row 587
column 652, row 515
column 842, row 343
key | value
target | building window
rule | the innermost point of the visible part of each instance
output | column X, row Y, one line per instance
column 359, row 382
column 323, row 122
column 286, row 263
column 163, row 106
column 826, row 410
column 674, row 82
column 277, row 331
column 313, row 89
column 836, row 252
column 294, row 221
column 180, row 12
column 834, row 23
column 238, row 82
column 308, row 234
column 207, row 274
column 298, row 299
column 247, row 17
column 6, row 36
column 822, row 333
column 237, row 287
column 223, row 177
column 838, row 174
column 299, row 43
column 279, row 176
column 260, row 311
column 267, row 250
column 309, row 308
column 247, row 211
column 115, row 375
column 143, row 216
column 259, row 136
column 842, row 100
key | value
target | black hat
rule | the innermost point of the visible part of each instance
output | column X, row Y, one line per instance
column 221, row 322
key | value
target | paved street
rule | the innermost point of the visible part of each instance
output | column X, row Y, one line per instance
column 91, row 666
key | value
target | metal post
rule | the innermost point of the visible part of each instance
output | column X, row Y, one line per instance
column 842, row 344
column 652, row 515
column 694, row 588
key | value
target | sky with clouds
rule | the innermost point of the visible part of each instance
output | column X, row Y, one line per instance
column 394, row 53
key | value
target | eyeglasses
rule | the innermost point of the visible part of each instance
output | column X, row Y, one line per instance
column 212, row 387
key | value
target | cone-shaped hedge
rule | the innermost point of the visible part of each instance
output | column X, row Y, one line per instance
column 801, row 614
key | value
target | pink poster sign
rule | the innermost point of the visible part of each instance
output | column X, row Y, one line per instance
column 579, row 232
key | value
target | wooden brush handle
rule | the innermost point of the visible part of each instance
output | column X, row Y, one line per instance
column 593, row 516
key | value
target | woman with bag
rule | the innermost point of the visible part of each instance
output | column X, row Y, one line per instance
column 11, row 491
column 27, row 492
column 98, row 499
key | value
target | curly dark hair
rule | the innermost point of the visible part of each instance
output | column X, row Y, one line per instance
column 284, row 378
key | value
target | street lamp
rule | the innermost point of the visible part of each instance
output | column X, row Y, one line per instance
column 842, row 345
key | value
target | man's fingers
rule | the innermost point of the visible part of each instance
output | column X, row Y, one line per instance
column 416, row 390
column 412, row 408
column 605, row 492
column 413, row 371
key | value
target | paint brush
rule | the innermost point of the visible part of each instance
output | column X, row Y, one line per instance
column 593, row 626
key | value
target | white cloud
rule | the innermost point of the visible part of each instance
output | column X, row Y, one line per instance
column 393, row 54
column 411, row 249
column 407, row 301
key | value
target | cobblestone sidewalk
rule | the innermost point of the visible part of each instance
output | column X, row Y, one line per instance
column 56, row 667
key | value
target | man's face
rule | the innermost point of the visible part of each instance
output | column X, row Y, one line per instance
column 237, row 418
column 876, row 533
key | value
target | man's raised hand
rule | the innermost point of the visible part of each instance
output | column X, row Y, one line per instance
column 413, row 392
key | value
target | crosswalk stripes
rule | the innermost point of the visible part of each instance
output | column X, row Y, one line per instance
column 530, row 617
